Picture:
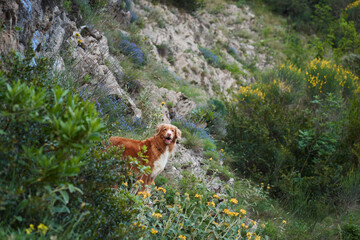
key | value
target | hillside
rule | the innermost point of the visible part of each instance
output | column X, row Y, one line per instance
column 266, row 97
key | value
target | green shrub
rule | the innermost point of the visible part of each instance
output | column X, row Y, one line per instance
column 44, row 135
column 192, row 141
column 105, row 181
column 297, row 142
column 325, row 77
column 189, row 5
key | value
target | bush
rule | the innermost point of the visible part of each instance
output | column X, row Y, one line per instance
column 45, row 133
column 210, row 57
column 296, row 142
column 196, row 137
column 324, row 77
column 133, row 51
column 189, row 5
column 105, row 181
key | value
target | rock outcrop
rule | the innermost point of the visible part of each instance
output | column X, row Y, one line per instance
column 184, row 33
column 46, row 28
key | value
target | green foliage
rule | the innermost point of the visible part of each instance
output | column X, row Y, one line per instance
column 194, row 213
column 296, row 142
column 189, row 5
column 299, row 11
column 192, row 141
column 213, row 115
column 105, row 181
column 44, row 135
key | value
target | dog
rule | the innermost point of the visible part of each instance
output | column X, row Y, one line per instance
column 159, row 148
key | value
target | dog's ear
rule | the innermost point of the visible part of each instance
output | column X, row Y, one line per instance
column 158, row 129
column 178, row 133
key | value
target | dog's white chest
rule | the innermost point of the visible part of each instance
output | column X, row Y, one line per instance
column 159, row 165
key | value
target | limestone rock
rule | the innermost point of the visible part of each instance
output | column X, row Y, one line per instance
column 90, row 52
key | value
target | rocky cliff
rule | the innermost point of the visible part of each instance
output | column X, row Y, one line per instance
column 175, row 39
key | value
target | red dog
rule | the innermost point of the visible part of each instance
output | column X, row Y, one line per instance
column 159, row 148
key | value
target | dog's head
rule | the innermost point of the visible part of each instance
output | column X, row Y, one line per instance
column 169, row 133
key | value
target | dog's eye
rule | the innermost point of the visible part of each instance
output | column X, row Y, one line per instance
column 172, row 130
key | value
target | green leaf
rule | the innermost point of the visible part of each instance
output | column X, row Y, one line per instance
column 65, row 196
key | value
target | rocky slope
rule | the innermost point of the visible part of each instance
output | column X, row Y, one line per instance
column 48, row 29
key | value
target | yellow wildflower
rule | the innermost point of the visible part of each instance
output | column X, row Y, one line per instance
column 140, row 181
column 79, row 41
column 217, row 224
column 30, row 229
column 162, row 103
column 234, row 201
column 242, row 211
column 284, row 222
column 253, row 222
column 221, row 150
column 211, row 204
column 210, row 159
column 156, row 215
column 125, row 184
column 216, row 196
column 42, row 228
column 198, row 196
column 243, row 225
column 182, row 237
column 248, row 235
column 352, row 5
column 77, row 34
column 144, row 194
column 161, row 189
column 153, row 231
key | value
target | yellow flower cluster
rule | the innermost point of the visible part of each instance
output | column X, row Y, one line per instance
column 41, row 228
column 160, row 189
column 182, row 237
column 321, row 71
column 139, row 182
column 249, row 235
column 144, row 194
column 291, row 67
column 234, row 201
column 216, row 196
column 211, row 204
column 352, row 5
column 230, row 213
column 156, row 215
column 30, row 229
column 248, row 91
column 198, row 196
column 125, row 184
column 153, row 231
column 137, row 224
column 281, row 85
column 242, row 211
column 243, row 225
